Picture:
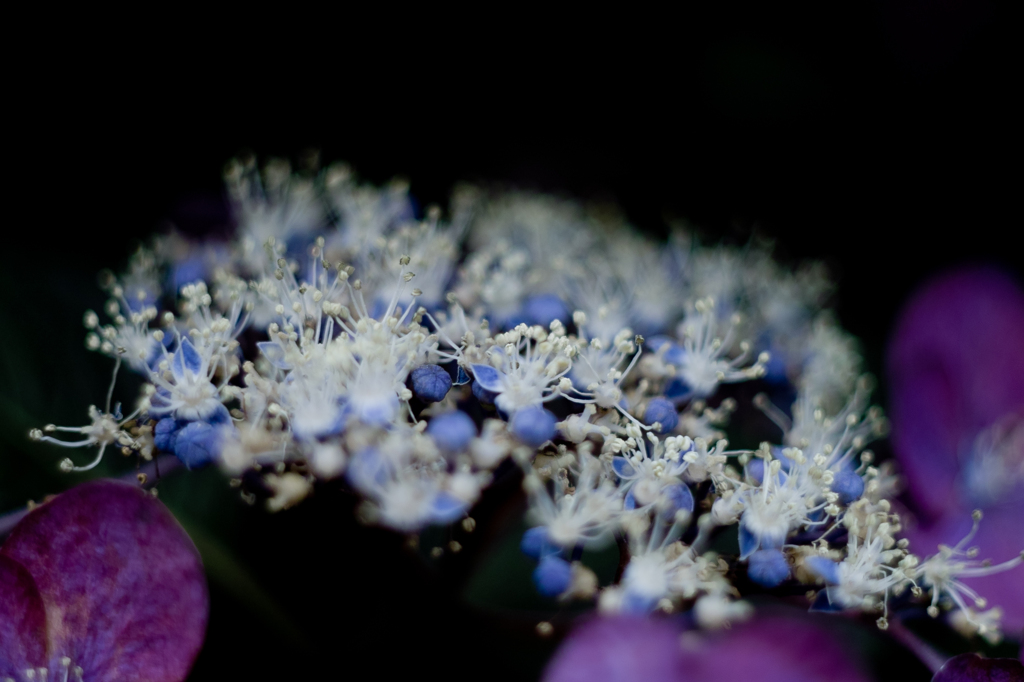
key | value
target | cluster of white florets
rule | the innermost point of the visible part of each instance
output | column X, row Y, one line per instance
column 339, row 336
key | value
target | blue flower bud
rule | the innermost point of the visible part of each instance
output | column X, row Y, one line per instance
column 662, row 410
column 543, row 309
column 198, row 444
column 848, row 485
column 430, row 383
column 533, row 425
column 552, row 576
column 535, row 543
column 452, row 431
column 767, row 567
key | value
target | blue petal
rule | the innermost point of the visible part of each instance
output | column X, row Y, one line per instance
column 198, row 444
column 535, row 543
column 274, row 353
column 452, row 431
column 488, row 377
column 533, row 425
column 552, row 576
column 482, row 394
column 461, row 377
column 679, row 497
column 622, row 467
column 768, row 567
column 629, row 503
column 824, row 568
column 178, row 366
column 447, row 508
column 190, row 356
column 749, row 543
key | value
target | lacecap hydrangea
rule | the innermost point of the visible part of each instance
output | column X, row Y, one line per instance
column 343, row 334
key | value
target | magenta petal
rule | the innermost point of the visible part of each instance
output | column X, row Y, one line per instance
column 776, row 648
column 22, row 620
column 955, row 366
column 619, row 650
column 974, row 668
column 122, row 583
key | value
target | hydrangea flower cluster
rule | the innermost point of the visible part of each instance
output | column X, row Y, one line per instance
column 340, row 335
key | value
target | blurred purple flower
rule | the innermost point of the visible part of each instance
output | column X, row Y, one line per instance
column 767, row 649
column 974, row 668
column 956, row 375
column 100, row 584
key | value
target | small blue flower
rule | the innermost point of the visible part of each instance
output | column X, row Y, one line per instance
column 452, row 431
column 533, row 425
column 767, row 567
column 662, row 410
column 848, row 485
column 430, row 383
column 552, row 576
column 535, row 543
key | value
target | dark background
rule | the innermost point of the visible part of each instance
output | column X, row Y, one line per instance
column 881, row 138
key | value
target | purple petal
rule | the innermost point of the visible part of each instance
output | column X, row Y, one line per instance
column 955, row 366
column 622, row 649
column 973, row 668
column 22, row 620
column 777, row 648
column 122, row 583
column 794, row 648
